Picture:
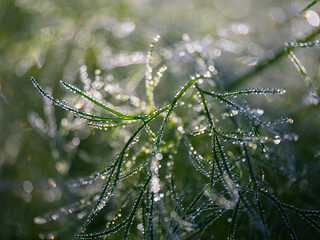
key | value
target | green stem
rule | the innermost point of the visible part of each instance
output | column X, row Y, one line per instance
column 267, row 62
column 116, row 168
column 171, row 107
column 78, row 91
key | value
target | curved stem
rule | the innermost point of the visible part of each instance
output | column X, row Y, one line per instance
column 267, row 62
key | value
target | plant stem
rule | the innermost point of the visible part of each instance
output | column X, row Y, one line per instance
column 267, row 62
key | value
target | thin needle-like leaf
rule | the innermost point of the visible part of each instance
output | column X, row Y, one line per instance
column 81, row 93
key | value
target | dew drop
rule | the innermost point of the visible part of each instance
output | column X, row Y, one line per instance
column 158, row 156
column 312, row 18
column 140, row 227
column 277, row 140
column 39, row 220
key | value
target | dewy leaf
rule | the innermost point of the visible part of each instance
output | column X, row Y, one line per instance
column 79, row 92
column 258, row 91
column 283, row 214
column 68, row 108
column 233, row 225
column 300, row 68
column 103, row 125
column 149, row 83
column 178, row 209
column 135, row 206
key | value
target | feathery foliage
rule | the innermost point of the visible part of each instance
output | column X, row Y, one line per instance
column 140, row 189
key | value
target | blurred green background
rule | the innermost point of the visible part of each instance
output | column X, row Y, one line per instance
column 42, row 147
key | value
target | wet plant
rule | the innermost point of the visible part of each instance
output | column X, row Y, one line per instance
column 226, row 151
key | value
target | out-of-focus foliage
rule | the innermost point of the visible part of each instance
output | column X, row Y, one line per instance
column 45, row 151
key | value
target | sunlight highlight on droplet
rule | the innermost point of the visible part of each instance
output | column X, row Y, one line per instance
column 277, row 140
column 312, row 18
